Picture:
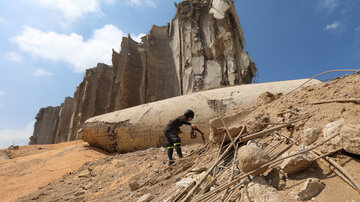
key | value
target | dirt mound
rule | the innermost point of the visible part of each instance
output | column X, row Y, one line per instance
column 288, row 116
column 30, row 167
column 108, row 179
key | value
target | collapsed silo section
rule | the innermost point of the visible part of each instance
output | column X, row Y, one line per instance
column 141, row 127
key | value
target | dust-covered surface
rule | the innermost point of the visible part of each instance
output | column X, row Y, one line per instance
column 127, row 177
column 27, row 168
column 108, row 179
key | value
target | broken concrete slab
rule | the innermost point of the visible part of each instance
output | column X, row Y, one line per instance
column 311, row 188
column 297, row 163
column 331, row 129
column 310, row 135
column 217, row 128
column 251, row 158
column 259, row 190
column 350, row 138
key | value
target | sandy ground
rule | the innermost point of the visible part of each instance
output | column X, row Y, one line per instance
column 62, row 174
column 34, row 166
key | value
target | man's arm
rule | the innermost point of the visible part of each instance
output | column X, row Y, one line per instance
column 184, row 121
column 187, row 123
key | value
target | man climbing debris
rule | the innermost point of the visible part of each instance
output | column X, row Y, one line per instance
column 171, row 131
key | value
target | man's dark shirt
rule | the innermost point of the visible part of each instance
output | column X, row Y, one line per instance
column 176, row 123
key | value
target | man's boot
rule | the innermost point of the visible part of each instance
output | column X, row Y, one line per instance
column 178, row 151
column 170, row 151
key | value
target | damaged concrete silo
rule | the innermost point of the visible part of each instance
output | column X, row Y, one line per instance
column 141, row 127
column 201, row 48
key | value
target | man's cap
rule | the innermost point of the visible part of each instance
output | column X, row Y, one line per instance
column 189, row 113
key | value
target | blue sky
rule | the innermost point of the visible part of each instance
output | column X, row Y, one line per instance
column 46, row 45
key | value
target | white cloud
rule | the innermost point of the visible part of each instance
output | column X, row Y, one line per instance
column 17, row 136
column 71, row 48
column 329, row 5
column 150, row 3
column 15, row 57
column 2, row 93
column 335, row 27
column 40, row 72
column 138, row 37
column 2, row 21
column 72, row 9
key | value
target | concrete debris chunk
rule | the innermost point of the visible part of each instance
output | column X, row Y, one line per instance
column 310, row 135
column 350, row 138
column 185, row 182
column 258, row 123
column 312, row 187
column 145, row 198
column 297, row 163
column 252, row 157
column 219, row 8
column 234, row 130
column 276, row 179
column 133, row 186
column 79, row 193
column 232, row 121
column 332, row 129
column 259, row 190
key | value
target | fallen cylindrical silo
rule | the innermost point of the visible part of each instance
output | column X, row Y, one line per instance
column 141, row 127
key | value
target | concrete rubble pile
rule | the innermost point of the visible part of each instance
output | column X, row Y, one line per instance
column 263, row 162
column 258, row 175
column 201, row 48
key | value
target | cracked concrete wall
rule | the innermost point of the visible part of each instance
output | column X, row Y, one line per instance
column 197, row 50
column 161, row 79
column 128, row 76
column 45, row 126
column 92, row 97
column 63, row 127
column 141, row 127
column 207, row 43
